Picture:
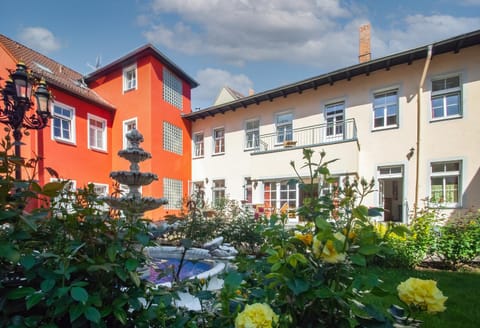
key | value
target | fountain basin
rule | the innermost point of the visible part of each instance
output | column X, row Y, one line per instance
column 132, row 178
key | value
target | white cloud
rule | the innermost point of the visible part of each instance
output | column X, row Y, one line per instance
column 40, row 39
column 420, row 30
column 251, row 30
column 212, row 80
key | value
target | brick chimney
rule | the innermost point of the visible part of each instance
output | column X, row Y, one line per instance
column 364, row 53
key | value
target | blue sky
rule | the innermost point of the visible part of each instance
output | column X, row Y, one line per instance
column 245, row 44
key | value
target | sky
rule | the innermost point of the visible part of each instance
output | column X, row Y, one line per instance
column 244, row 44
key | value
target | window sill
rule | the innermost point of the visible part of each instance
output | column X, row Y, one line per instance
column 446, row 206
column 129, row 90
column 445, row 118
column 98, row 150
column 383, row 128
column 64, row 141
column 198, row 157
column 218, row 154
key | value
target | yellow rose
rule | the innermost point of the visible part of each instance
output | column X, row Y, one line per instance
column 423, row 294
column 258, row 315
column 305, row 238
column 327, row 251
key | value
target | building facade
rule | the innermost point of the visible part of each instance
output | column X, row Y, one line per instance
column 91, row 115
column 409, row 120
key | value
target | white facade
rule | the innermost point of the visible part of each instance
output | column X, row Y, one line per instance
column 368, row 121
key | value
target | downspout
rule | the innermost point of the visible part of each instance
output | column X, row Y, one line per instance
column 417, row 148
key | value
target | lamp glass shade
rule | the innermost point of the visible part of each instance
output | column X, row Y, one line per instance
column 43, row 98
column 22, row 82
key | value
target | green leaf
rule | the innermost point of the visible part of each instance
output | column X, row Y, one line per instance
column 323, row 292
column 143, row 238
column 233, row 280
column 358, row 259
column 33, row 300
column 79, row 294
column 92, row 314
column 19, row 293
column 121, row 315
column 121, row 274
column 76, row 311
column 298, row 286
column 135, row 278
column 112, row 253
column 276, row 266
column 360, row 212
column 9, row 252
column 27, row 261
column 52, row 188
column 368, row 249
column 47, row 285
column 131, row 264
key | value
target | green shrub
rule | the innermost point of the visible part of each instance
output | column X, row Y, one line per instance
column 71, row 264
column 458, row 241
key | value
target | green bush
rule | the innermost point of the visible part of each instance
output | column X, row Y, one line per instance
column 69, row 264
column 458, row 241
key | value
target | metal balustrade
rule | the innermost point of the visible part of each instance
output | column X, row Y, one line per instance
column 315, row 135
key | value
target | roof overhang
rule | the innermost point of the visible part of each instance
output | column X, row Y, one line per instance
column 407, row 57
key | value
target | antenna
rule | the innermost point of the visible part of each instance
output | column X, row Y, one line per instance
column 98, row 63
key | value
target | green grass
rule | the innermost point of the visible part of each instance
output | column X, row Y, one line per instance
column 461, row 288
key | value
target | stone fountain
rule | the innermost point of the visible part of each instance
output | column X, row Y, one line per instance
column 133, row 203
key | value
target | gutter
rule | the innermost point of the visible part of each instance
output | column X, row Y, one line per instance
column 419, row 106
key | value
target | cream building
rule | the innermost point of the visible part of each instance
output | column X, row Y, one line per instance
column 410, row 120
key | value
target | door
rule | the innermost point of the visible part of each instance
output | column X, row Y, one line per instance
column 390, row 192
column 335, row 118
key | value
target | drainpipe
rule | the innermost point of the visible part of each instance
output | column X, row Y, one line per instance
column 419, row 105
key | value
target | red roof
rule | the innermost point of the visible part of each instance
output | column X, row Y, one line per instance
column 54, row 73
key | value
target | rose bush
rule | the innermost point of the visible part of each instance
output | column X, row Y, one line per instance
column 257, row 315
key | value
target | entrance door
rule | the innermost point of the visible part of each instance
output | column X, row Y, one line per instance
column 335, row 118
column 390, row 192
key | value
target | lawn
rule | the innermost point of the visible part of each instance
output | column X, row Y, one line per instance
column 461, row 288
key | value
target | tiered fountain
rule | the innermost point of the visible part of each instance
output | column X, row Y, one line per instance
column 133, row 203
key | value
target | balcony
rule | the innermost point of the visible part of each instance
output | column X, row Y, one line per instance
column 316, row 135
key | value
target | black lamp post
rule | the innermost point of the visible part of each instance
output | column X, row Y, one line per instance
column 17, row 101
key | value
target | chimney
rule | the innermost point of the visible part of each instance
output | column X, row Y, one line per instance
column 251, row 92
column 364, row 53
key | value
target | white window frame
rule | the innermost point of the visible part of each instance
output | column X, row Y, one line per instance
column 445, row 175
column 172, row 89
column 220, row 141
column 130, row 82
column 252, row 134
column 332, row 121
column 198, row 146
column 283, row 129
column 63, row 118
column 126, row 124
column 172, row 138
column 384, row 108
column 248, row 190
column 443, row 94
column 72, row 186
column 100, row 185
column 218, row 190
column 102, row 131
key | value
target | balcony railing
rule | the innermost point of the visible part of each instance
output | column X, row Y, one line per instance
column 322, row 134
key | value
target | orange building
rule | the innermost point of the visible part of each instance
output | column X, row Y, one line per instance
column 91, row 115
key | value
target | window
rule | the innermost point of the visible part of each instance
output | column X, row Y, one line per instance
column 63, row 203
column 128, row 125
column 446, row 97
column 385, row 109
column 334, row 116
column 247, row 187
column 218, row 191
column 172, row 89
column 63, row 127
column 173, row 192
column 197, row 188
column 445, row 183
column 284, row 127
column 172, row 138
column 97, row 133
column 288, row 197
column 219, row 141
column 252, row 134
column 130, row 78
column 198, row 149
column 100, row 189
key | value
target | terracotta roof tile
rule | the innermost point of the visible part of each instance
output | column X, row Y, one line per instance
column 53, row 72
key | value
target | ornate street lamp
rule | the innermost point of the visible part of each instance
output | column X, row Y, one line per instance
column 17, row 102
